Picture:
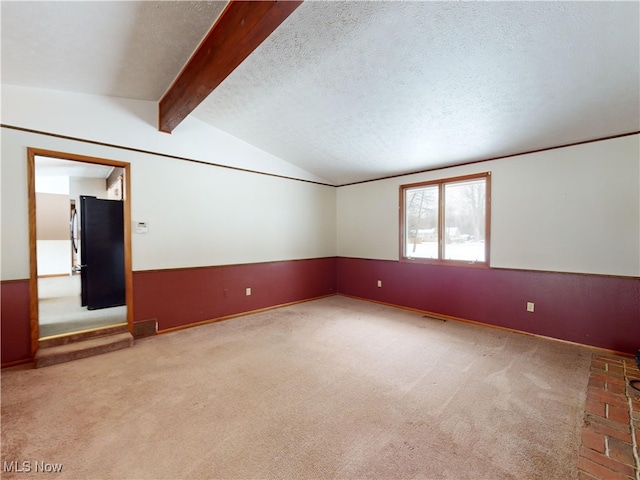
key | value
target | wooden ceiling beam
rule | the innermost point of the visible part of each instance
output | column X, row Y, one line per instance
column 240, row 29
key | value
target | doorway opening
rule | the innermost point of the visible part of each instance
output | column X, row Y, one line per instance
column 80, row 245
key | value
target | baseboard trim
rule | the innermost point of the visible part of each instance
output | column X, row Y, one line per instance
column 16, row 363
column 241, row 314
column 441, row 316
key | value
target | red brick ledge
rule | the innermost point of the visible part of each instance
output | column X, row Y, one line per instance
column 609, row 447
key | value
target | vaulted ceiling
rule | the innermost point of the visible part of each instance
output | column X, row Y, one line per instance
column 356, row 90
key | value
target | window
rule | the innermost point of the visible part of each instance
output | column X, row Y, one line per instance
column 446, row 221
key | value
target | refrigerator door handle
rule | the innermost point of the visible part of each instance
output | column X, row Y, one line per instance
column 73, row 226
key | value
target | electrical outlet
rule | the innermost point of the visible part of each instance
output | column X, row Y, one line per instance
column 530, row 306
column 248, row 291
column 379, row 283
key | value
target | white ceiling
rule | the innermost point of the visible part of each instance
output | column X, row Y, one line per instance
column 351, row 91
column 56, row 167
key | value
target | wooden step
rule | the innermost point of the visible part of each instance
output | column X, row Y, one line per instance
column 81, row 349
column 56, row 340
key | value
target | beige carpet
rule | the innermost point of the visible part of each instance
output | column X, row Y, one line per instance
column 334, row 388
column 60, row 311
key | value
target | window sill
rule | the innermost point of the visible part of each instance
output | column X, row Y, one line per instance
column 447, row 263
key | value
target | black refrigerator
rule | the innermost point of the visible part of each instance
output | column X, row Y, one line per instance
column 101, row 252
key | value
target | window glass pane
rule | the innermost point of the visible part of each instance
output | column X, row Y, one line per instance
column 464, row 220
column 421, row 222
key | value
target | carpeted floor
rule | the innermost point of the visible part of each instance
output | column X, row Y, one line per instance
column 60, row 311
column 333, row 388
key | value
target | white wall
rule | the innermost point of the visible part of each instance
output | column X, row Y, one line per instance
column 54, row 257
column 574, row 209
column 52, row 184
column 134, row 123
column 93, row 187
column 198, row 215
column 53, row 245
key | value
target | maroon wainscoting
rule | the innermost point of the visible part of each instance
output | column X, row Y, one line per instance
column 15, row 328
column 593, row 310
column 179, row 297
column 596, row 310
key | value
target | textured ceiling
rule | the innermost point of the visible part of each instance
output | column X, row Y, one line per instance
column 131, row 49
column 357, row 90
column 351, row 91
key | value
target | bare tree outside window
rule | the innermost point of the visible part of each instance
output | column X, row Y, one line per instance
column 422, row 221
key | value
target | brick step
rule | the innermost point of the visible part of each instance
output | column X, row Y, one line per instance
column 81, row 349
column 609, row 448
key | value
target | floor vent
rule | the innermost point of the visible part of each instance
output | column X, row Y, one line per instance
column 146, row 328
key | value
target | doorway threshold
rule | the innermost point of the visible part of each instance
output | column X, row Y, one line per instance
column 65, row 348
column 65, row 338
